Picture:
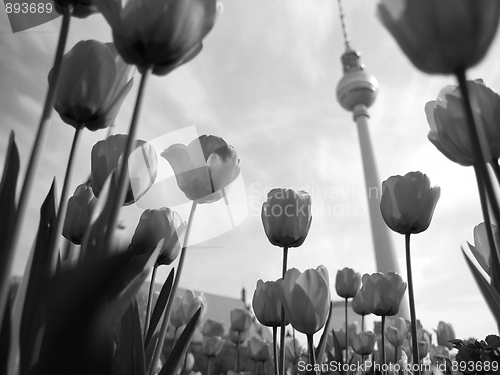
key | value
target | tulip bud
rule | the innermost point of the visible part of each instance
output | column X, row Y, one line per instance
column 481, row 249
column 93, row 85
column 266, row 303
column 212, row 328
column 241, row 319
column 176, row 316
column 212, row 345
column 352, row 330
column 292, row 349
column 359, row 305
column 347, row 283
column 439, row 355
column 408, row 202
column 191, row 303
column 188, row 363
column 142, row 165
column 80, row 8
column 286, row 216
column 305, row 298
column 154, row 226
column 260, row 350
column 445, row 333
column 395, row 331
column 363, row 342
column 441, row 36
column 384, row 292
column 203, row 168
column 238, row 337
column 78, row 214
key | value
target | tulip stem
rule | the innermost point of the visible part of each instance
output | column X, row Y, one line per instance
column 384, row 361
column 363, row 323
column 209, row 362
column 312, row 357
column 495, row 264
column 283, row 317
column 168, row 308
column 396, row 354
column 413, row 316
column 123, row 184
column 346, row 333
column 496, row 170
column 226, row 201
column 150, row 300
column 34, row 158
column 275, row 352
column 237, row 354
column 476, row 143
column 63, row 203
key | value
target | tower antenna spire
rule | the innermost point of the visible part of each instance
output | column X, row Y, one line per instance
column 344, row 28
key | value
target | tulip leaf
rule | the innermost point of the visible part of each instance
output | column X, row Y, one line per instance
column 490, row 295
column 132, row 360
column 320, row 351
column 5, row 331
column 337, row 352
column 34, row 311
column 176, row 357
column 160, row 306
column 8, row 210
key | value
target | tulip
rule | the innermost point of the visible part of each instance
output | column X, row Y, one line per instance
column 266, row 302
column 363, row 342
column 396, row 331
column 424, row 343
column 359, row 303
column 142, row 165
column 408, row 202
column 260, row 350
column 441, row 36
column 305, row 298
column 384, row 292
column 94, row 82
column 286, row 216
column 439, row 354
column 241, row 320
column 203, row 168
column 158, row 34
column 177, row 316
column 212, row 328
column 352, row 330
column 445, row 333
column 347, row 283
column 188, row 363
column 80, row 8
column 79, row 211
column 156, row 225
column 293, row 349
column 191, row 303
column 481, row 248
column 237, row 337
column 212, row 345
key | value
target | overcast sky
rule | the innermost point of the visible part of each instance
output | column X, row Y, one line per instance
column 266, row 82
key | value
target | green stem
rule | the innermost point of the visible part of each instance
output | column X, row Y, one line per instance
column 168, row 309
column 209, row 362
column 362, row 323
column 384, row 360
column 150, row 300
column 346, row 333
column 122, row 185
column 34, row 159
column 237, row 355
column 63, row 204
column 413, row 314
column 264, row 372
column 283, row 317
column 396, row 354
column 312, row 357
column 275, row 352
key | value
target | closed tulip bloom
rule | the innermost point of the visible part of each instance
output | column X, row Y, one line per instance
column 158, row 34
column 481, row 248
column 352, row 330
column 80, row 8
column 266, row 303
column 439, row 354
column 94, row 82
column 395, row 331
column 384, row 292
column 408, row 202
column 156, row 225
column 212, row 345
column 260, row 350
column 177, row 316
column 191, row 303
column 142, row 165
column 364, row 342
column 212, row 328
column 445, row 333
column 238, row 337
column 204, row 167
column 293, row 349
column 441, row 36
column 78, row 214
column 347, row 283
column 359, row 303
column 286, row 216
column 241, row 320
column 305, row 297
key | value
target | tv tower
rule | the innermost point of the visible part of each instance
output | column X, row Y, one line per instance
column 356, row 92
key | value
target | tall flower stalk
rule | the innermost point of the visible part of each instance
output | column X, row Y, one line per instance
column 413, row 314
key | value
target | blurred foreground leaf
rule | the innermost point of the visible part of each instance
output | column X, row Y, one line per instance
column 131, row 360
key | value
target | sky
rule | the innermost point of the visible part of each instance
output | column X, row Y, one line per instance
column 266, row 82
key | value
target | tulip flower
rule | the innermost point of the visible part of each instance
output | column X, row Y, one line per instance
column 158, row 34
column 305, row 297
column 241, row 320
column 142, row 165
column 449, row 126
column 359, row 304
column 238, row 337
column 445, row 333
column 286, row 216
column 481, row 248
column 352, row 330
column 80, row 8
column 441, row 36
column 203, row 168
column 424, row 343
column 439, row 355
column 212, row 328
column 94, row 82
column 384, row 292
column 212, row 345
column 177, row 316
column 156, row 225
column 363, row 342
column 80, row 207
column 191, row 303
column 408, row 202
column 293, row 349
column 260, row 350
column 266, row 302
column 396, row 331
column 347, row 283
